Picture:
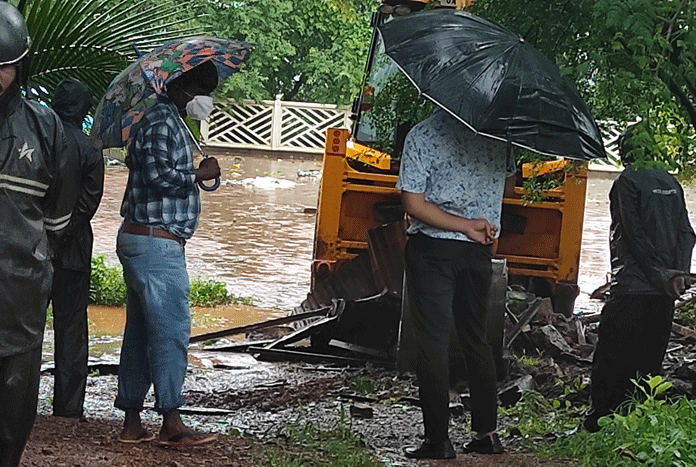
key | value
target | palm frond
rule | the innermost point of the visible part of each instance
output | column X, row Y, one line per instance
column 93, row 40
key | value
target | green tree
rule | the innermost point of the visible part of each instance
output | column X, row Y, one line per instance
column 92, row 40
column 629, row 59
column 311, row 51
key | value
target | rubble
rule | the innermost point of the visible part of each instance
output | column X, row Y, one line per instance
column 561, row 347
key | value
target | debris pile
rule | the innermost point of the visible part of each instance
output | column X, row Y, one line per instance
column 540, row 347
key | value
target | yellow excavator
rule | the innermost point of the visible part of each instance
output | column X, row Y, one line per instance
column 539, row 241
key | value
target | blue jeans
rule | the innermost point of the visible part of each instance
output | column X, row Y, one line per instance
column 158, row 322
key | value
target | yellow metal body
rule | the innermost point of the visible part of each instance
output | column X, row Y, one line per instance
column 546, row 247
column 549, row 245
column 347, row 204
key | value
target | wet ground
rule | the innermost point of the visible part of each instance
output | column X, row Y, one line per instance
column 256, row 236
column 251, row 404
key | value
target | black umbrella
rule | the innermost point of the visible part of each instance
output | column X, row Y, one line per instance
column 493, row 81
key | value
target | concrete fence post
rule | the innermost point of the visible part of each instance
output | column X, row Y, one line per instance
column 276, row 123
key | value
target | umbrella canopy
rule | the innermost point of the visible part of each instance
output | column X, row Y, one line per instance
column 134, row 90
column 493, row 81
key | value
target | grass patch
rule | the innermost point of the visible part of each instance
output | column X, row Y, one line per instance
column 363, row 386
column 303, row 444
column 108, row 288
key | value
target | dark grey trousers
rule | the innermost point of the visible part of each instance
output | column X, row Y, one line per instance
column 633, row 337
column 19, row 395
column 451, row 279
column 70, row 298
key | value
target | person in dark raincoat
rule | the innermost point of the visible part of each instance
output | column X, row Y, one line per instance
column 651, row 240
column 35, row 208
column 72, row 262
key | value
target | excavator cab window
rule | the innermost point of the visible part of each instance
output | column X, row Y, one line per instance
column 379, row 69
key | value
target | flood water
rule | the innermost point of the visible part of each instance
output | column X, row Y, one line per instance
column 256, row 235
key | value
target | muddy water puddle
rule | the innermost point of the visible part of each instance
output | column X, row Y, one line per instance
column 106, row 324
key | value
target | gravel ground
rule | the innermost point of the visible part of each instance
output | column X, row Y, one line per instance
column 260, row 399
column 250, row 402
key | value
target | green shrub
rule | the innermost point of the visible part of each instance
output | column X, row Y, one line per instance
column 212, row 293
column 108, row 288
column 534, row 415
column 654, row 432
column 106, row 284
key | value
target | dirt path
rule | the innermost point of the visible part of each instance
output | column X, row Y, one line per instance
column 60, row 442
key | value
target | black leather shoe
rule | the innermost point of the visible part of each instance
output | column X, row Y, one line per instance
column 591, row 422
column 429, row 450
column 487, row 445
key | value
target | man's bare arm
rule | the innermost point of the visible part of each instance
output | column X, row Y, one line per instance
column 478, row 230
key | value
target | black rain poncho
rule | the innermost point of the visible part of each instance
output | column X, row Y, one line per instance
column 72, row 101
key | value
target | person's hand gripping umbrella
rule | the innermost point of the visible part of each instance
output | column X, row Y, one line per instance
column 135, row 89
column 203, row 187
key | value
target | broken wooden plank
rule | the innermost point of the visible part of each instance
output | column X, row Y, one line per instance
column 684, row 331
column 359, row 349
column 263, row 324
column 239, row 346
column 266, row 354
column 524, row 320
column 580, row 332
column 209, row 411
column 302, row 333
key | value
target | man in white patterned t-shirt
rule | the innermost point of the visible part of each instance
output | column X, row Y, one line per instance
column 452, row 183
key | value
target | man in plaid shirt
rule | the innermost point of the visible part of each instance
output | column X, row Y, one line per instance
column 161, row 207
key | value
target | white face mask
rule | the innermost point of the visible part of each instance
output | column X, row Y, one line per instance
column 200, row 107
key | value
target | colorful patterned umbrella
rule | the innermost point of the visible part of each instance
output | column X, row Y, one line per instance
column 135, row 89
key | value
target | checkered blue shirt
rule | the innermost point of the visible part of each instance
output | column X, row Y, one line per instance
column 162, row 190
column 460, row 172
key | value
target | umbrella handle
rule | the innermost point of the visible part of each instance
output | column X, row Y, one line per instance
column 203, row 187
column 212, row 187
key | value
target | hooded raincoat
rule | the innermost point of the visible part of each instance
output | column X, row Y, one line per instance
column 35, row 208
column 72, row 101
column 646, row 206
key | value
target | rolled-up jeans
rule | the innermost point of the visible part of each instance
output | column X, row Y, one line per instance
column 158, row 323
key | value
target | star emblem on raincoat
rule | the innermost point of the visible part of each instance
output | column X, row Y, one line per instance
column 26, row 152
